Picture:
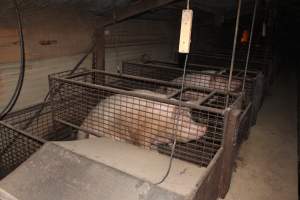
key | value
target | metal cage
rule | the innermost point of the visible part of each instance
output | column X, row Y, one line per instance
column 16, row 146
column 257, row 62
column 22, row 134
column 203, row 76
column 143, row 112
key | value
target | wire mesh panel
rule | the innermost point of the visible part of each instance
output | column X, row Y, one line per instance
column 142, row 111
column 23, row 132
column 265, row 64
column 203, row 76
column 15, row 148
column 40, row 126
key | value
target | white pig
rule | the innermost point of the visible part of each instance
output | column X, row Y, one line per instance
column 141, row 121
column 210, row 81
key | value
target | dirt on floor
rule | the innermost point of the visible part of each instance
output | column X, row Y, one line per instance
column 267, row 162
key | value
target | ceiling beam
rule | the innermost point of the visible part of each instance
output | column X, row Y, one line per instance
column 134, row 9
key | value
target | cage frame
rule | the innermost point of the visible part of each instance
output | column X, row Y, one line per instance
column 217, row 182
column 9, row 162
column 40, row 130
column 255, row 97
column 265, row 65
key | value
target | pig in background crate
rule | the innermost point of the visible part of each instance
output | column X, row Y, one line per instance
column 256, row 63
column 203, row 76
column 136, row 110
column 22, row 133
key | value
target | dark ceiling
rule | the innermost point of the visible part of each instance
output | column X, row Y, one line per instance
column 98, row 7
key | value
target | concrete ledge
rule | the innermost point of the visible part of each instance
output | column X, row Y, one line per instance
column 96, row 169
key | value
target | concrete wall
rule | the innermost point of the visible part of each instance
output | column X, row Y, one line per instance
column 55, row 40
column 36, row 78
column 133, row 38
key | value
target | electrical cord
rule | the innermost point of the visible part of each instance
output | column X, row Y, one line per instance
column 38, row 113
column 176, row 120
column 12, row 102
column 176, row 124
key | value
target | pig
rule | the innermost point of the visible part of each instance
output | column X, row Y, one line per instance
column 212, row 81
column 141, row 122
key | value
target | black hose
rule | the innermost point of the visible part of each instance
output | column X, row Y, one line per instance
column 19, row 86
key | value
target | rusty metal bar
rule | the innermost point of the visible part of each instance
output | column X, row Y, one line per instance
column 161, row 82
column 190, row 70
column 234, row 49
column 132, row 10
column 23, row 132
column 135, row 94
column 250, row 44
column 201, row 101
column 211, row 67
column 175, row 93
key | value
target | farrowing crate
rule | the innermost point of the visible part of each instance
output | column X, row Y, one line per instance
column 199, row 75
column 18, row 143
column 97, row 108
column 256, row 63
column 124, row 108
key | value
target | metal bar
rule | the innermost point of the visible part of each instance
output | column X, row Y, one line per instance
column 211, row 67
column 76, row 127
column 250, row 43
column 132, row 10
column 227, row 58
column 23, row 111
column 221, row 72
column 198, row 65
column 234, row 50
column 201, row 101
column 23, row 133
column 174, row 94
column 78, row 74
column 135, row 94
column 161, row 82
column 238, row 74
column 190, row 70
column 97, row 135
column 190, row 64
column 25, row 120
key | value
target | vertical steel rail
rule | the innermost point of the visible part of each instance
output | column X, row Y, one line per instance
column 250, row 44
column 233, row 50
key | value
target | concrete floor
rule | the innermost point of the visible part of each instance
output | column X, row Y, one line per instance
column 267, row 163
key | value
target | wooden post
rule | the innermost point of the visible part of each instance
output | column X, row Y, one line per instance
column 229, row 145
